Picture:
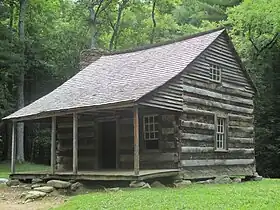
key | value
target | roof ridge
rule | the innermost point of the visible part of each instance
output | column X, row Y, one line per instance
column 149, row 46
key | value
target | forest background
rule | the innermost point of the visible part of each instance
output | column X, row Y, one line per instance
column 41, row 42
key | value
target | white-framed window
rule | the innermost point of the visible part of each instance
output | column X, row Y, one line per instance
column 151, row 131
column 215, row 72
column 221, row 134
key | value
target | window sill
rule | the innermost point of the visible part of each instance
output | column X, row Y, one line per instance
column 215, row 81
column 221, row 150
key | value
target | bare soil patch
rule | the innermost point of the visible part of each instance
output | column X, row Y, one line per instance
column 10, row 200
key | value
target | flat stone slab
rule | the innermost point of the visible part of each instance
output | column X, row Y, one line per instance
column 75, row 186
column 3, row 180
column 12, row 182
column 34, row 194
column 45, row 189
column 182, row 183
column 157, row 184
column 222, row 180
column 59, row 184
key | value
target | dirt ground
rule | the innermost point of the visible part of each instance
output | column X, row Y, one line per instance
column 10, row 200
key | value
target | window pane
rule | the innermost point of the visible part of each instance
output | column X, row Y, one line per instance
column 156, row 135
column 156, row 127
column 146, row 127
column 147, row 136
column 151, row 127
column 146, row 119
column 152, row 135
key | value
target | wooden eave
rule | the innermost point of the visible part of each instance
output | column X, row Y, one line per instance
column 119, row 105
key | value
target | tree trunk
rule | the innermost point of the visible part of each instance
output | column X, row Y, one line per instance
column 20, row 126
column 154, row 23
column 117, row 24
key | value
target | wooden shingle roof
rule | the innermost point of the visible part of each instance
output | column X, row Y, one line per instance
column 121, row 77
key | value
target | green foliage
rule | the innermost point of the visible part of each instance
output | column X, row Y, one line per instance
column 254, row 28
column 250, row 195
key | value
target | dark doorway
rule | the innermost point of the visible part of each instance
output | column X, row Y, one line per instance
column 108, row 145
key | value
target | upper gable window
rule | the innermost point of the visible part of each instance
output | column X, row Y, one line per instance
column 215, row 72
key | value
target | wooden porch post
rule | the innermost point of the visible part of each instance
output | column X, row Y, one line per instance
column 13, row 156
column 53, row 145
column 75, row 143
column 136, row 141
column 117, row 142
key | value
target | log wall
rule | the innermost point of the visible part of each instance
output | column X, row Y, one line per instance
column 167, row 154
column 87, row 137
column 202, row 100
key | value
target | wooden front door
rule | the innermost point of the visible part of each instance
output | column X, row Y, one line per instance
column 108, row 145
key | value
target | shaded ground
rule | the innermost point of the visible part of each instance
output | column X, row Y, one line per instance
column 10, row 200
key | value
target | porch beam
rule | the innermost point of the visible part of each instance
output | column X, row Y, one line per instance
column 136, row 141
column 53, row 145
column 13, row 155
column 75, row 143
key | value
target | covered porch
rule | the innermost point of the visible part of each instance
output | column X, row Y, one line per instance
column 100, row 145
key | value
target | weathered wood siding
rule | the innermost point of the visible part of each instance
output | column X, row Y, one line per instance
column 87, row 136
column 169, row 96
column 165, row 157
column 202, row 100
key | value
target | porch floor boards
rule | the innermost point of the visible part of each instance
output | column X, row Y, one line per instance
column 98, row 175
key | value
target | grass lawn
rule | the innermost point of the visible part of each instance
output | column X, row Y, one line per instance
column 5, row 168
column 249, row 195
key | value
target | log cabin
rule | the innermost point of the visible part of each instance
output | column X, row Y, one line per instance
column 184, row 106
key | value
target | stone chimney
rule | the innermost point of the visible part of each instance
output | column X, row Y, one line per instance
column 88, row 56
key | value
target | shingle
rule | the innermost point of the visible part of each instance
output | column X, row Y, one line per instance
column 121, row 77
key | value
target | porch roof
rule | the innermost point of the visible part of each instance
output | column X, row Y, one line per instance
column 121, row 77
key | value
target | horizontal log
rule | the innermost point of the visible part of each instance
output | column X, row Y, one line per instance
column 217, row 95
column 235, row 117
column 195, row 143
column 227, row 155
column 170, row 94
column 241, row 140
column 196, row 111
column 231, row 90
column 240, row 123
column 212, row 149
column 190, row 163
column 197, row 149
column 193, row 124
column 241, row 129
column 197, row 137
column 162, row 105
column 147, row 165
column 166, row 99
column 151, row 157
column 219, row 105
column 214, row 171
column 236, row 134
